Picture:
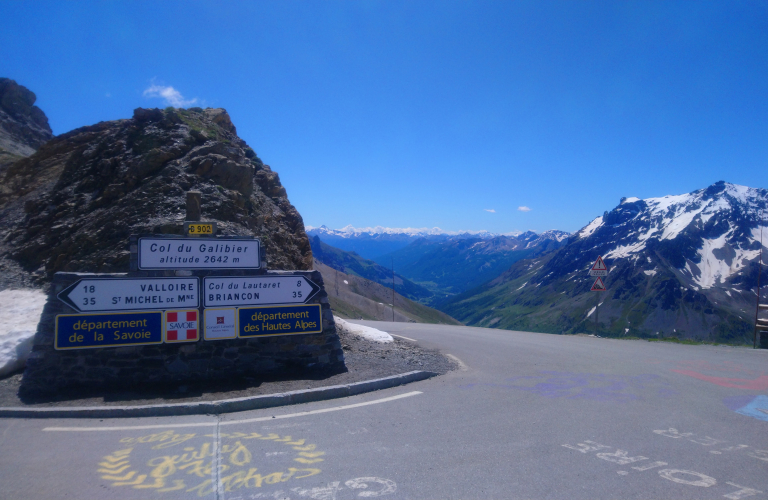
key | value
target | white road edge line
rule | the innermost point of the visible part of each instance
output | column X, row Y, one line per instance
column 403, row 337
column 232, row 422
column 462, row 366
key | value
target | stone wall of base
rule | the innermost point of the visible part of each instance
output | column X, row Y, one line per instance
column 49, row 370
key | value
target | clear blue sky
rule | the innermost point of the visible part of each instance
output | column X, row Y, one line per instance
column 416, row 113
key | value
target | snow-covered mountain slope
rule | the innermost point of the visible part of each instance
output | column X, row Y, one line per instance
column 708, row 235
column 681, row 265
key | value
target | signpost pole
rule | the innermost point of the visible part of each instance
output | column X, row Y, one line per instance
column 597, row 310
column 193, row 205
column 759, row 270
column 599, row 269
column 393, row 289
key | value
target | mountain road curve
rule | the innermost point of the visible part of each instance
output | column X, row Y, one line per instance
column 528, row 416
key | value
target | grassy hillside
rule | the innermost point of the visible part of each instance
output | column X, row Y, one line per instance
column 353, row 297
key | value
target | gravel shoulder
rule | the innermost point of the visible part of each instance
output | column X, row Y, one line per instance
column 365, row 360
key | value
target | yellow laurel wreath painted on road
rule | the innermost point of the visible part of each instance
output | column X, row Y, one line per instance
column 197, row 462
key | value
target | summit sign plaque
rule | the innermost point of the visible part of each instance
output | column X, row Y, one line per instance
column 198, row 253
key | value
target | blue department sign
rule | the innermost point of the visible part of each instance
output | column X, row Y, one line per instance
column 81, row 331
column 279, row 320
column 198, row 253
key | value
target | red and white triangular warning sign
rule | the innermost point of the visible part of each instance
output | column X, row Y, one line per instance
column 599, row 268
column 599, row 264
column 598, row 286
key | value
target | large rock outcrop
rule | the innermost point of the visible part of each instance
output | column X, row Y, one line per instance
column 23, row 126
column 73, row 204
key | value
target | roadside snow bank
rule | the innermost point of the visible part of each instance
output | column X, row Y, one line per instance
column 364, row 331
column 20, row 312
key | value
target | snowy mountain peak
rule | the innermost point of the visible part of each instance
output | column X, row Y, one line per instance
column 708, row 235
column 681, row 265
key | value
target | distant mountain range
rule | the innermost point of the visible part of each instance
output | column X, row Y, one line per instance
column 352, row 264
column 371, row 242
column 453, row 265
column 683, row 265
column 431, row 264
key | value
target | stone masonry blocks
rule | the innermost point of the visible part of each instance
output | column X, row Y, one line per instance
column 49, row 370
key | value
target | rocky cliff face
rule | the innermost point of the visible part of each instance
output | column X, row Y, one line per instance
column 73, row 205
column 23, row 126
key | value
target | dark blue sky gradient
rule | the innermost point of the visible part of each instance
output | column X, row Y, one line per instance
column 426, row 113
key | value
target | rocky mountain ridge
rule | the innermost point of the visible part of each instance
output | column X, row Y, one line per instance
column 682, row 265
column 72, row 205
column 23, row 126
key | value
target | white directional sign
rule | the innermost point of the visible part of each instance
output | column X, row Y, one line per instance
column 131, row 294
column 198, row 253
column 599, row 268
column 257, row 290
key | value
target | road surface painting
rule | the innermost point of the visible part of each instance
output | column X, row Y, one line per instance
column 591, row 386
column 723, row 373
column 231, row 465
column 749, row 406
column 689, row 478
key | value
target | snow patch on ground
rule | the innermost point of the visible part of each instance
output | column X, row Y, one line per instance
column 650, row 273
column 631, row 199
column 741, row 193
column 714, row 270
column 20, row 312
column 625, row 251
column 591, row 227
column 759, row 231
column 364, row 331
column 591, row 311
column 678, row 224
column 522, row 286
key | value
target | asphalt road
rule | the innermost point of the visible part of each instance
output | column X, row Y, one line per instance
column 531, row 416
